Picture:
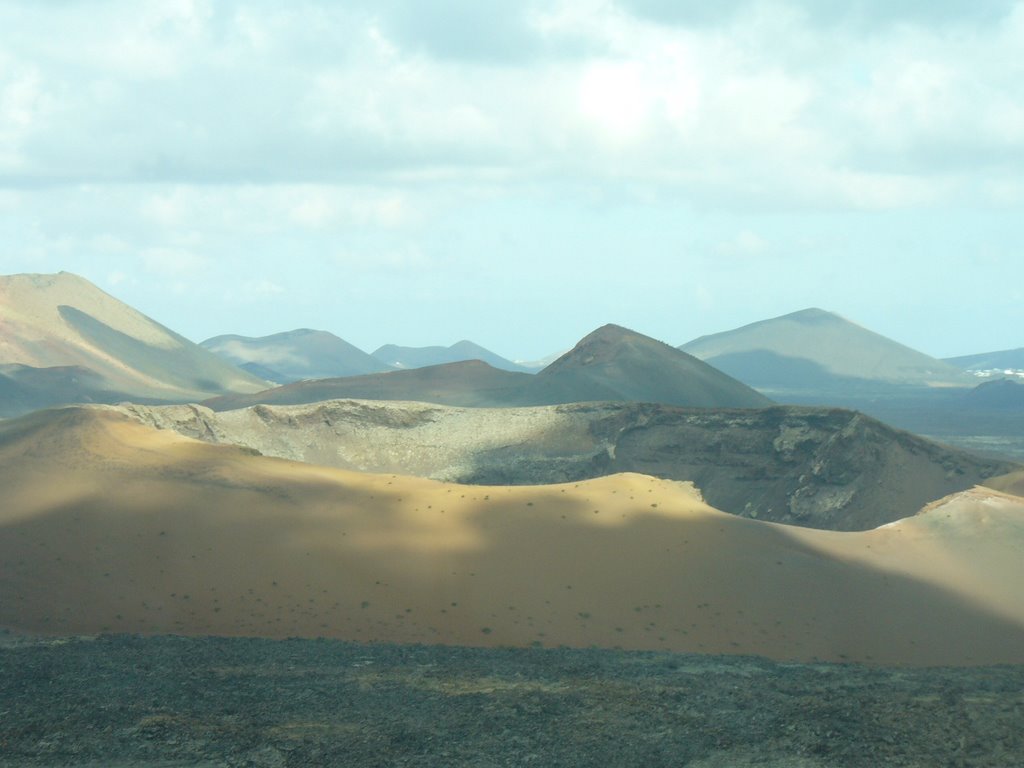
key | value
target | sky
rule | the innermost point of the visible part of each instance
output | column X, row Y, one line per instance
column 519, row 173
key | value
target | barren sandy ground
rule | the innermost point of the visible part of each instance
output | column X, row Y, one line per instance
column 111, row 526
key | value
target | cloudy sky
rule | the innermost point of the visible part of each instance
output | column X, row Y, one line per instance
column 518, row 173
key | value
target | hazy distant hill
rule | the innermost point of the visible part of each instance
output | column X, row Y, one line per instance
column 1002, row 394
column 420, row 357
column 296, row 355
column 612, row 363
column 815, row 350
column 65, row 340
column 544, row 362
column 1007, row 359
column 469, row 383
column 815, row 467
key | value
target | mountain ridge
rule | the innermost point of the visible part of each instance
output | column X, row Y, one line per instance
column 302, row 353
column 813, row 349
column 611, row 363
column 419, row 357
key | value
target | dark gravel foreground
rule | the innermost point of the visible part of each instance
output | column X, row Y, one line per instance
column 172, row 701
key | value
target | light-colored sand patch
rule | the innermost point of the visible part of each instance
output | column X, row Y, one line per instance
column 1012, row 483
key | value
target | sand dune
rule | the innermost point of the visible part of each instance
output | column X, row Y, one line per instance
column 109, row 525
column 1012, row 483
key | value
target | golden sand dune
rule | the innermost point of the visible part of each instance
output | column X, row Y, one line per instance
column 1012, row 483
column 109, row 525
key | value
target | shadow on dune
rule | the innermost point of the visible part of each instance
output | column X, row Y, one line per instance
column 233, row 556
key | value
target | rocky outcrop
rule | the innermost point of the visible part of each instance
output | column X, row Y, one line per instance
column 815, row 467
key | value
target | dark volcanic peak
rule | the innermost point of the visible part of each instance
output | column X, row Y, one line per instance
column 815, row 350
column 303, row 353
column 616, row 363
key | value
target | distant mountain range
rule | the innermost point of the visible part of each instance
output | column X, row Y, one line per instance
column 612, row 364
column 295, row 355
column 818, row 351
column 421, row 357
column 65, row 340
column 302, row 354
column 1005, row 360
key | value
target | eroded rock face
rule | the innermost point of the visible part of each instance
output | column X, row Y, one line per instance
column 815, row 467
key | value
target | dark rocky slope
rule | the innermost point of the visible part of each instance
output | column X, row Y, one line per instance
column 170, row 701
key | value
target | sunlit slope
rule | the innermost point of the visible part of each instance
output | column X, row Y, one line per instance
column 814, row 349
column 52, row 323
column 296, row 355
column 110, row 525
column 1012, row 483
column 814, row 467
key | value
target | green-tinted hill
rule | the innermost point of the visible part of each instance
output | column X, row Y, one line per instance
column 611, row 364
column 65, row 340
column 818, row 351
column 420, row 357
column 296, row 355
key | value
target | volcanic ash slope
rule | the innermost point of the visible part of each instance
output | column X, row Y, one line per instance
column 110, row 525
column 65, row 340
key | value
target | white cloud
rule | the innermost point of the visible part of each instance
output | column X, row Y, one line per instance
column 262, row 288
column 769, row 103
column 745, row 243
column 387, row 256
column 174, row 263
column 116, row 278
